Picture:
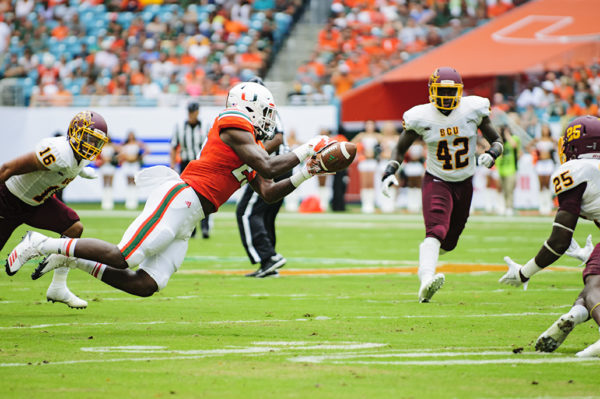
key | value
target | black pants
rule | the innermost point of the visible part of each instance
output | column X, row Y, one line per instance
column 256, row 222
column 338, row 202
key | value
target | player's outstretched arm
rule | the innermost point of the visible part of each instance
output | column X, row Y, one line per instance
column 24, row 164
column 272, row 191
column 242, row 142
column 488, row 158
column 552, row 249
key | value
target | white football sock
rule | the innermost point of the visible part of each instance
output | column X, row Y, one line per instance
column 94, row 268
column 579, row 313
column 59, row 277
column 62, row 246
column 429, row 251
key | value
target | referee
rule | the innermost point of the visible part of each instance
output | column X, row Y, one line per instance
column 256, row 218
column 187, row 142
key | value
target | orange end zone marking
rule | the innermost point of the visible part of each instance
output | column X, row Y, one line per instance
column 445, row 268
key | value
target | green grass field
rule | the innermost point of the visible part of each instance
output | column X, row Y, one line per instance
column 211, row 335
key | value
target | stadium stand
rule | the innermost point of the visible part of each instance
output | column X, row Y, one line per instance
column 364, row 39
column 87, row 49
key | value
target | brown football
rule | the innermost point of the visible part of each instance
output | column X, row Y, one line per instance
column 337, row 156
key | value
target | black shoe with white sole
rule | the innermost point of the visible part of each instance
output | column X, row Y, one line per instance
column 269, row 267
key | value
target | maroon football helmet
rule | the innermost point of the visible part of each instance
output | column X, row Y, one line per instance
column 87, row 134
column 445, row 88
column 580, row 140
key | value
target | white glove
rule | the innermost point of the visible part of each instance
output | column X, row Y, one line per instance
column 486, row 160
column 387, row 184
column 312, row 146
column 583, row 254
column 512, row 276
column 88, row 173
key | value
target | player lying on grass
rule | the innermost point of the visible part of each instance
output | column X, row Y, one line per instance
column 27, row 185
column 577, row 185
column 157, row 239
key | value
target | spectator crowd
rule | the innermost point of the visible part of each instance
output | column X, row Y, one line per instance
column 63, row 48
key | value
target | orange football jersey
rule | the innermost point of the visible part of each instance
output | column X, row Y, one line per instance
column 219, row 172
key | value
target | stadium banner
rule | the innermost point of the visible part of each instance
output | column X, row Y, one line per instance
column 24, row 127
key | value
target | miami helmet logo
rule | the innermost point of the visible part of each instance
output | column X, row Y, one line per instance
column 244, row 97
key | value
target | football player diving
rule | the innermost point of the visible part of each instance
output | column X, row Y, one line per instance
column 27, row 185
column 448, row 124
column 157, row 239
column 577, row 185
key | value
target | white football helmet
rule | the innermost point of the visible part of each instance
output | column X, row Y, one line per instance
column 257, row 101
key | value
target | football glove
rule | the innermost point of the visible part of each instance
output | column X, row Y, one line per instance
column 88, row 173
column 513, row 277
column 312, row 146
column 310, row 169
column 486, row 160
column 389, row 178
column 386, row 185
column 583, row 254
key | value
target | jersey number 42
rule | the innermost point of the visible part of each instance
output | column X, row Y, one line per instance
column 453, row 161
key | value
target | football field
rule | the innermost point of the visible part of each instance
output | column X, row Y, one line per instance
column 341, row 321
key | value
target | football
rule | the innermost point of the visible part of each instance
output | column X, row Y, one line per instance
column 337, row 156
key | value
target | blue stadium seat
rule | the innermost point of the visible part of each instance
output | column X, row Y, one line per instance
column 263, row 4
column 202, row 16
column 124, row 19
column 33, row 75
column 165, row 16
column 87, row 18
column 147, row 16
column 99, row 9
column 256, row 25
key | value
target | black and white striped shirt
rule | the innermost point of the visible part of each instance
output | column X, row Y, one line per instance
column 189, row 139
column 283, row 148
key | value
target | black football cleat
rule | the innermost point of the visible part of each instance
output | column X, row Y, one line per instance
column 269, row 267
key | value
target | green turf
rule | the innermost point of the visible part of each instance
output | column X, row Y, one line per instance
column 225, row 336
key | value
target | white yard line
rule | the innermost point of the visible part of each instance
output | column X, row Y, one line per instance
column 318, row 318
column 343, row 353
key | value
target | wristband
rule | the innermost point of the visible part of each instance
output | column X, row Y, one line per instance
column 302, row 152
column 391, row 168
column 530, row 268
column 496, row 149
column 300, row 177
